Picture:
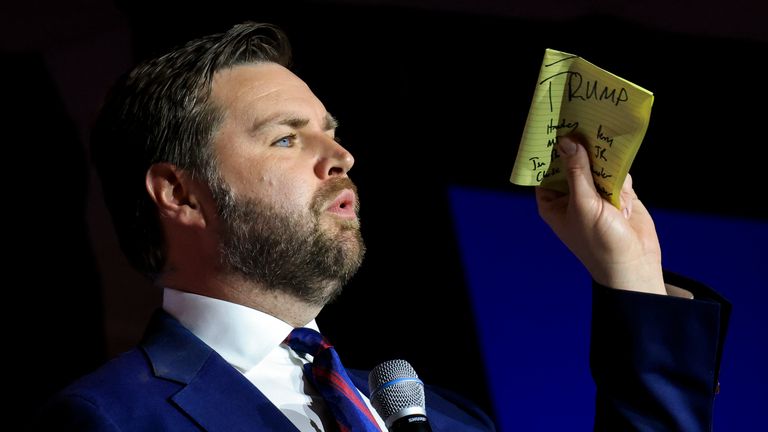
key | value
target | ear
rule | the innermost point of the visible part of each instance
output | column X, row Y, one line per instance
column 178, row 196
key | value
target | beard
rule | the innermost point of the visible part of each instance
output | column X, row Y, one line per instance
column 289, row 252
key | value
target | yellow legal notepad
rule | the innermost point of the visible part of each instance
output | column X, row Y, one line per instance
column 574, row 96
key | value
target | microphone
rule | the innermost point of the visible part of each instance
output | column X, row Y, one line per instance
column 397, row 394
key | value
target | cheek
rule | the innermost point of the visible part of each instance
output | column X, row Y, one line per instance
column 251, row 182
column 283, row 182
column 284, row 189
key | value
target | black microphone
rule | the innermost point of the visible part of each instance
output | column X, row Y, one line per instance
column 397, row 394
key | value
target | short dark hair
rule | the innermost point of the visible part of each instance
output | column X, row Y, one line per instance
column 161, row 112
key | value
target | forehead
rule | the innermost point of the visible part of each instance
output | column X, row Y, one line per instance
column 260, row 90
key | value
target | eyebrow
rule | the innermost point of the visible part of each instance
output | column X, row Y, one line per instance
column 330, row 122
column 295, row 122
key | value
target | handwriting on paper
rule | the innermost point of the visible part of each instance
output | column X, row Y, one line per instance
column 573, row 96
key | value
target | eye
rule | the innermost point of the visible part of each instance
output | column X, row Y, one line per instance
column 286, row 141
column 337, row 139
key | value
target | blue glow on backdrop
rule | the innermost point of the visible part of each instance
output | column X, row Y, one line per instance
column 531, row 299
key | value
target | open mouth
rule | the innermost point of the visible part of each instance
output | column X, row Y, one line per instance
column 344, row 205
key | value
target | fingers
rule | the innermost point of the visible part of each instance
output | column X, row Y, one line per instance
column 627, row 197
column 544, row 195
column 576, row 164
column 551, row 204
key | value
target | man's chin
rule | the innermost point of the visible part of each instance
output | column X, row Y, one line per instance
column 345, row 233
column 354, row 251
column 331, row 223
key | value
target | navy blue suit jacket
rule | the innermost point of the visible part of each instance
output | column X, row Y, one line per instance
column 175, row 382
column 654, row 360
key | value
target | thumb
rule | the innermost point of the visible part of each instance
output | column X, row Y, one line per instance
column 577, row 168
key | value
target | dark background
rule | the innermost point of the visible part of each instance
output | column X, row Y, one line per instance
column 429, row 95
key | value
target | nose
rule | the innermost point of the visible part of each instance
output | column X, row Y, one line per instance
column 333, row 159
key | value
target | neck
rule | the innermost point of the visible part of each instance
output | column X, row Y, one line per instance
column 235, row 289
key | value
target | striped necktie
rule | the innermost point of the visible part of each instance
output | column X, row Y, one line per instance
column 331, row 380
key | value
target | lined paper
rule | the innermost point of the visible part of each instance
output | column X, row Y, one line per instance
column 609, row 113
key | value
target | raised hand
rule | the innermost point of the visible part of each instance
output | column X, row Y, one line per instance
column 619, row 248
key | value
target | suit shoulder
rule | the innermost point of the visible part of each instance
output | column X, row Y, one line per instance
column 72, row 412
column 128, row 372
column 117, row 394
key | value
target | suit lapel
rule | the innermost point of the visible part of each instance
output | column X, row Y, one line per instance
column 214, row 394
column 221, row 399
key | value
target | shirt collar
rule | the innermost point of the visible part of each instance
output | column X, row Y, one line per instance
column 241, row 335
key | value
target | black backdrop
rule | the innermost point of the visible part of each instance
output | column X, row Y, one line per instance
column 426, row 99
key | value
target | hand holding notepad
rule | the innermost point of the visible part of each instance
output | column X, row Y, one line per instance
column 575, row 96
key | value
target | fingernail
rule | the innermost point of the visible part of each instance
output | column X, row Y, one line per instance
column 567, row 146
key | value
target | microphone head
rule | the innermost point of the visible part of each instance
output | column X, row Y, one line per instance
column 396, row 391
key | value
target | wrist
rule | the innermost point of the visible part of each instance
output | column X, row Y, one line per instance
column 640, row 277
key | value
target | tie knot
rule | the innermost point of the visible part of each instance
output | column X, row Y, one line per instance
column 307, row 341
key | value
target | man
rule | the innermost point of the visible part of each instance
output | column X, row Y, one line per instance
column 227, row 187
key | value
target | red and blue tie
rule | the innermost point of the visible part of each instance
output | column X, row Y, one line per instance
column 331, row 380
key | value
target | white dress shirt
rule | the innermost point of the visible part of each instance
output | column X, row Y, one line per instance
column 252, row 342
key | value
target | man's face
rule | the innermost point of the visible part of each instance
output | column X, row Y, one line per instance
column 288, row 210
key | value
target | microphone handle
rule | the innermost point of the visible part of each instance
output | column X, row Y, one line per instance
column 411, row 423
